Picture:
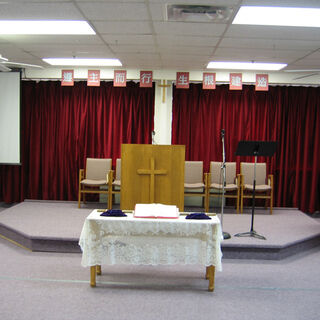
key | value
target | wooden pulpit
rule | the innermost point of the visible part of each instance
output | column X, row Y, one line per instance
column 152, row 174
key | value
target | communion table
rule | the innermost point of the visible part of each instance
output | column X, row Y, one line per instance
column 145, row 241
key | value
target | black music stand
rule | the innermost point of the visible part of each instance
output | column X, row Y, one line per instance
column 256, row 149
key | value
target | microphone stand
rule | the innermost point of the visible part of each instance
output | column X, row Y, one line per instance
column 226, row 235
column 152, row 137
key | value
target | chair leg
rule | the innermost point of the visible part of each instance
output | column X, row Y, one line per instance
column 110, row 199
column 206, row 200
column 241, row 201
column 79, row 198
column 237, row 205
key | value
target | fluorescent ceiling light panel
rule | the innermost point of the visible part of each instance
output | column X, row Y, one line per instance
column 45, row 27
column 278, row 16
column 83, row 62
column 245, row 65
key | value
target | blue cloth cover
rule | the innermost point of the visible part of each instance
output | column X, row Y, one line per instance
column 113, row 213
column 198, row 216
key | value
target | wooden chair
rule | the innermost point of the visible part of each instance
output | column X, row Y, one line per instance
column 114, row 182
column 232, row 185
column 194, row 181
column 95, row 177
column 264, row 185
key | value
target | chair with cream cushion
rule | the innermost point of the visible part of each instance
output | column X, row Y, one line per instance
column 264, row 184
column 194, row 180
column 232, row 183
column 94, row 178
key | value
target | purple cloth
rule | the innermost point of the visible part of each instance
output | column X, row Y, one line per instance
column 113, row 213
column 198, row 216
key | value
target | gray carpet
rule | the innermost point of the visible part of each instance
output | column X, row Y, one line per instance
column 54, row 285
column 40, row 285
column 56, row 226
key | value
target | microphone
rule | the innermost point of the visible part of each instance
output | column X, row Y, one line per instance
column 222, row 133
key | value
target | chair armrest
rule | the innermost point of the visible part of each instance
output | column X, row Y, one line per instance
column 207, row 179
column 239, row 180
column 270, row 180
column 110, row 176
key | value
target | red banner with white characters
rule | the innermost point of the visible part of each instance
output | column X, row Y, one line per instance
column 209, row 80
column 67, row 78
column 120, row 78
column 182, row 81
column 235, row 81
column 93, row 78
column 146, row 79
column 262, row 82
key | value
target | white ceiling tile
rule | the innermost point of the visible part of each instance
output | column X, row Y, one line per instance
column 117, row 27
column 314, row 55
column 191, row 29
column 194, row 41
column 120, row 39
column 282, row 3
column 44, row 40
column 268, row 44
column 71, row 51
column 40, row 11
column 184, row 50
column 202, row 2
column 114, row 11
column 158, row 11
column 185, row 58
column 258, row 54
column 271, row 32
column 133, row 49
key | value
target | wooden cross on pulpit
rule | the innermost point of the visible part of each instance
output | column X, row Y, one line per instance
column 152, row 171
column 152, row 174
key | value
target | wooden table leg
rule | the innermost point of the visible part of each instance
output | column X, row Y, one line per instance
column 207, row 273
column 98, row 270
column 93, row 276
column 210, row 273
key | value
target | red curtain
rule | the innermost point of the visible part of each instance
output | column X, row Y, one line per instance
column 289, row 115
column 62, row 126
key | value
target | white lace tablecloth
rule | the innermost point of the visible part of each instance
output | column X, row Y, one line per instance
column 129, row 240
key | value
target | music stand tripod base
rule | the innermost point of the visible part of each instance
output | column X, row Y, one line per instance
column 226, row 235
column 256, row 149
column 250, row 234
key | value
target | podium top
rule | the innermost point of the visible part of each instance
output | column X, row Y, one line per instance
column 256, row 148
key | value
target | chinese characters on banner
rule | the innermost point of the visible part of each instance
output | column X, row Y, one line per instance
column 67, row 78
column 235, row 81
column 120, row 78
column 209, row 81
column 182, row 81
column 146, row 79
column 262, row 82
column 93, row 78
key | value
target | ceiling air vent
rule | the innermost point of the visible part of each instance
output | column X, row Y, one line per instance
column 198, row 13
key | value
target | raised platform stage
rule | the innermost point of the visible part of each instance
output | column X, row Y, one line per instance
column 55, row 226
